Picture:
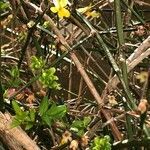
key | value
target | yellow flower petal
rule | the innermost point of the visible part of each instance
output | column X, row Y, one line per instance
column 54, row 9
column 56, row 3
column 83, row 9
column 63, row 12
column 142, row 76
column 93, row 14
column 63, row 3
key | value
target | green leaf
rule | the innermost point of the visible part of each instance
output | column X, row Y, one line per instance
column 74, row 129
column 37, row 63
column 78, row 124
column 27, row 119
column 57, row 112
column 32, row 114
column 101, row 143
column 29, row 125
column 14, row 81
column 43, row 106
column 15, row 122
column 86, row 121
column 46, row 119
column 52, row 70
column 15, row 72
column 23, row 115
column 17, row 108
column 3, row 5
column 48, row 78
column 80, row 133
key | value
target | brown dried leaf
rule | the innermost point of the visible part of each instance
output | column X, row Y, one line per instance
column 31, row 98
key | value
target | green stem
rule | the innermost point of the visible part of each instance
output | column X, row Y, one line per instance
column 119, row 24
column 119, row 27
column 134, row 12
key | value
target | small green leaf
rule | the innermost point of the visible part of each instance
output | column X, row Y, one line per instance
column 46, row 119
column 48, row 79
column 80, row 133
column 86, row 121
column 52, row 70
column 23, row 116
column 16, row 108
column 43, row 106
column 32, row 114
column 14, row 81
column 78, row 124
column 27, row 119
column 37, row 63
column 29, row 125
column 3, row 5
column 57, row 112
column 15, row 72
column 74, row 129
column 46, row 24
column 101, row 143
column 15, row 122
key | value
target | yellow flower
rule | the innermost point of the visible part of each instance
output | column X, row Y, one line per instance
column 87, row 10
column 60, row 8
column 84, row 9
column 142, row 76
column 93, row 14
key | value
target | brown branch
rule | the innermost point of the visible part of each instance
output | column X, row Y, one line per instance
column 14, row 138
column 114, row 128
column 135, row 58
column 138, row 51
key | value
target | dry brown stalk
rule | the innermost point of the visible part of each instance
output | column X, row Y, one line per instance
column 15, row 138
column 135, row 58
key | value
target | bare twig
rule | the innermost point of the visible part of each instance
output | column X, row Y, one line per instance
column 135, row 58
column 15, row 138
